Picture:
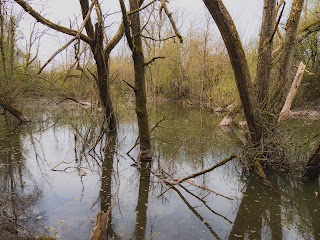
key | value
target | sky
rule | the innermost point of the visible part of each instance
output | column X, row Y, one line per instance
column 246, row 14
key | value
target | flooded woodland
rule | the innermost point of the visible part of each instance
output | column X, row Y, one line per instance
column 56, row 178
column 159, row 119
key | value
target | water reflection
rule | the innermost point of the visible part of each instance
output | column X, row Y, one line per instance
column 312, row 197
column 19, row 192
column 96, row 176
column 259, row 214
column 143, row 197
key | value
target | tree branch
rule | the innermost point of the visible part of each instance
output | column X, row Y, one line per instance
column 153, row 59
column 173, row 24
column 140, row 9
column 126, row 24
column 50, row 24
column 84, row 23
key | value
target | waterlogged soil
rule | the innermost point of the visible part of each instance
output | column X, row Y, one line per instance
column 56, row 176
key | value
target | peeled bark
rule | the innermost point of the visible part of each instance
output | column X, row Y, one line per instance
column 292, row 92
column 239, row 64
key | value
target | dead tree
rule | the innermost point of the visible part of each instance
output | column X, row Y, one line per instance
column 95, row 38
column 134, row 39
column 133, row 31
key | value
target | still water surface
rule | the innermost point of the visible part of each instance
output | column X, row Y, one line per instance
column 64, row 203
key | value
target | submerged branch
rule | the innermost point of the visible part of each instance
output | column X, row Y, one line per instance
column 202, row 172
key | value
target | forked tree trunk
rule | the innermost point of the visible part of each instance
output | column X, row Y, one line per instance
column 101, row 59
column 312, row 170
column 239, row 64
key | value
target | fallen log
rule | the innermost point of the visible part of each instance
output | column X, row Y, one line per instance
column 228, row 119
column 16, row 113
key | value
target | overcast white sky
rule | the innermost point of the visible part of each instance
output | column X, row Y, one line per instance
column 246, row 14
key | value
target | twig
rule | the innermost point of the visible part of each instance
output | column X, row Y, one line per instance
column 77, row 36
column 140, row 9
column 152, row 60
column 130, row 85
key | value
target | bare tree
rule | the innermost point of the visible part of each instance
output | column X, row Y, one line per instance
column 96, row 39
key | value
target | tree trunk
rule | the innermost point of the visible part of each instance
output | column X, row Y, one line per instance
column 140, row 83
column 239, row 64
column 101, row 59
column 264, row 64
column 312, row 170
column 8, row 107
column 288, row 50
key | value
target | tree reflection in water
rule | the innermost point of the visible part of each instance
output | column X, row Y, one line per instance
column 19, row 193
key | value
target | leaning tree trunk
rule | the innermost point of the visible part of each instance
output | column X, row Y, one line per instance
column 8, row 107
column 239, row 64
column 312, row 170
column 140, row 83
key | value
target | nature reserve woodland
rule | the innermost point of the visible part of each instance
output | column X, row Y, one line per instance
column 152, row 113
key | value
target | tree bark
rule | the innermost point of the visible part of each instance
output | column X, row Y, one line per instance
column 140, row 82
column 288, row 50
column 95, row 38
column 312, row 170
column 239, row 64
column 101, row 58
column 264, row 64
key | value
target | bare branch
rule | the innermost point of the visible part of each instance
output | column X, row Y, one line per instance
column 126, row 24
column 72, row 40
column 50, row 24
column 140, row 9
column 153, row 59
column 173, row 24
column 132, row 87
column 114, row 41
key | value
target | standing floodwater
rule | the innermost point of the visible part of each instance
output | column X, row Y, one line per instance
column 55, row 179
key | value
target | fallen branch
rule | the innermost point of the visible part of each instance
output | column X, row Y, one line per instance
column 292, row 92
column 173, row 182
column 8, row 107
column 76, row 101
